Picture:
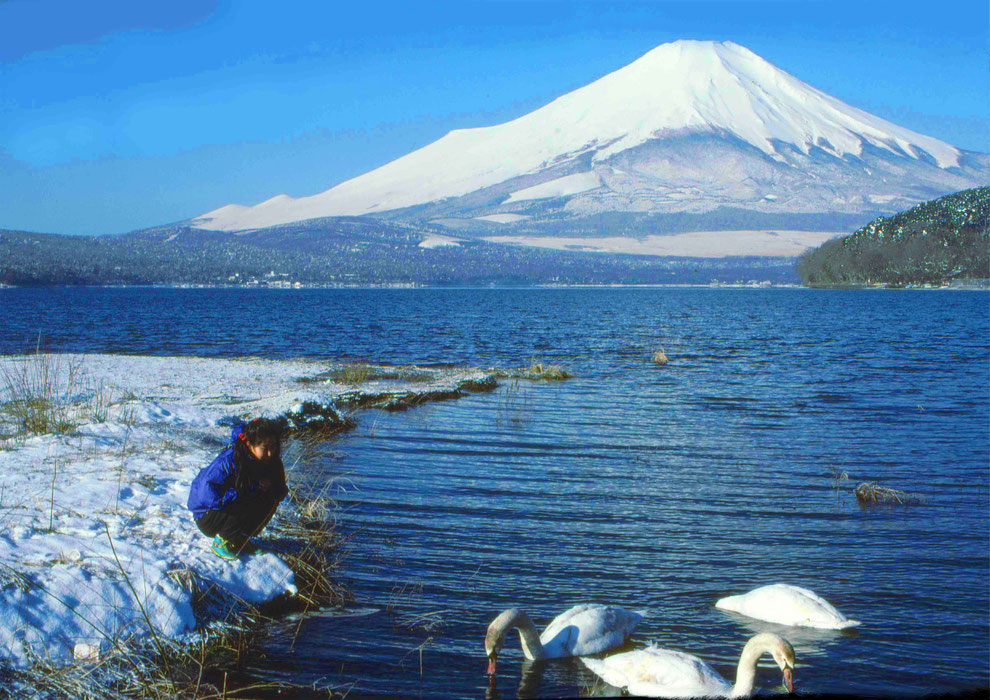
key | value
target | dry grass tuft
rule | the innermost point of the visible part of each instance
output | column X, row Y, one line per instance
column 39, row 390
column 310, row 541
column 659, row 357
column 869, row 493
column 134, row 668
column 353, row 374
column 45, row 393
column 545, row 372
column 14, row 578
column 315, row 553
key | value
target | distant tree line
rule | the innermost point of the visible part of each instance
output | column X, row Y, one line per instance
column 935, row 242
column 341, row 251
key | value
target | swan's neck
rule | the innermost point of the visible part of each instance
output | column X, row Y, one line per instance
column 529, row 638
column 746, row 670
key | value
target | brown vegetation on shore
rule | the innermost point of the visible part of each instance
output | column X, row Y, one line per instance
column 869, row 493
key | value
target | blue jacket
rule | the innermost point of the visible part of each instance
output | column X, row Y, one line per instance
column 213, row 488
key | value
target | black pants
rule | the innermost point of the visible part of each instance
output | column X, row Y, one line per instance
column 244, row 518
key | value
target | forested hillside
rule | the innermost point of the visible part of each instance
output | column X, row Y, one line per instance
column 933, row 243
column 341, row 251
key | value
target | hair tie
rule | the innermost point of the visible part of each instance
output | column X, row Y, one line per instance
column 242, row 436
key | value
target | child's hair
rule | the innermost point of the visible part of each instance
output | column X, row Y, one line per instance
column 263, row 429
column 254, row 432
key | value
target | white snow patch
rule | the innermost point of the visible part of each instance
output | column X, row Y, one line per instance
column 569, row 184
column 502, row 218
column 435, row 240
column 78, row 510
column 698, row 244
column 228, row 211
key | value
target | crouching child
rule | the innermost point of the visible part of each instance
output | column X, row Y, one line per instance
column 234, row 497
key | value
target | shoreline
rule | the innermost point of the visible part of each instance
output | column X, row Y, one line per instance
column 98, row 546
column 975, row 285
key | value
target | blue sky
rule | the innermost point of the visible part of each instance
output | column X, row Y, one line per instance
column 116, row 116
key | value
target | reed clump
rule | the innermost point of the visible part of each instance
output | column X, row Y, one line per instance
column 356, row 373
column 38, row 391
column 869, row 493
column 537, row 370
column 48, row 394
column 659, row 357
column 314, row 550
column 545, row 372
column 136, row 668
column 309, row 537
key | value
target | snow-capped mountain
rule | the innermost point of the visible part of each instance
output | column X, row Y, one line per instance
column 689, row 127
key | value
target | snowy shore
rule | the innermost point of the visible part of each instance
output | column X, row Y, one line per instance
column 95, row 539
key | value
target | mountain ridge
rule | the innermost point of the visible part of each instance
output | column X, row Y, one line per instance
column 689, row 126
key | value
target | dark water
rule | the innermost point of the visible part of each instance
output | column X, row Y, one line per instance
column 654, row 489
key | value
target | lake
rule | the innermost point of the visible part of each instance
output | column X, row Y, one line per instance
column 655, row 488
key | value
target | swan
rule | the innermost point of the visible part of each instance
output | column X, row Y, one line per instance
column 657, row 672
column 787, row 605
column 584, row 629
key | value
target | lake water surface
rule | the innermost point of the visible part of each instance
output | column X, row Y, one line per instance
column 659, row 489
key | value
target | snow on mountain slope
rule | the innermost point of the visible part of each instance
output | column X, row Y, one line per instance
column 569, row 184
column 678, row 89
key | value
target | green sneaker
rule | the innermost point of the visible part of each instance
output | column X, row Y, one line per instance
column 224, row 549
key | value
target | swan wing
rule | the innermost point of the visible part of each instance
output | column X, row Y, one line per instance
column 654, row 671
column 588, row 629
column 787, row 605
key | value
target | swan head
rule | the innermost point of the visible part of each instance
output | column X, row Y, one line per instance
column 495, row 637
column 783, row 655
column 493, row 645
column 781, row 651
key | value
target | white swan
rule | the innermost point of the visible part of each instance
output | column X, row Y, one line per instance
column 584, row 629
column 657, row 672
column 787, row 605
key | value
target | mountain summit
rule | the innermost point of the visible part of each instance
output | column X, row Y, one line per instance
column 690, row 127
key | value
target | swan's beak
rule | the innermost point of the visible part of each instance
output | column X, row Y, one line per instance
column 789, row 679
column 492, row 661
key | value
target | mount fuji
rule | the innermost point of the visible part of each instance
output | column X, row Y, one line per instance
column 692, row 136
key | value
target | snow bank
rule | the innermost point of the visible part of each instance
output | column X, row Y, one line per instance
column 95, row 539
column 696, row 244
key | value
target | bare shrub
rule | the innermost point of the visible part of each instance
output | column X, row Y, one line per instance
column 38, row 391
